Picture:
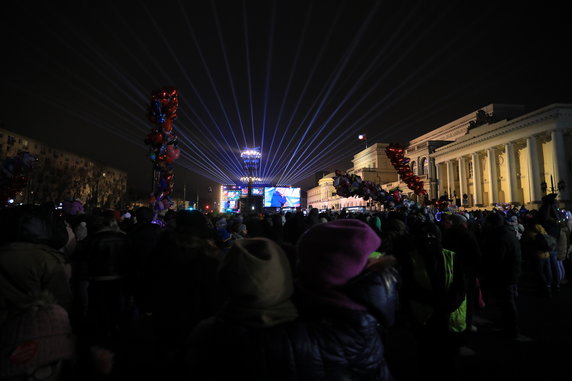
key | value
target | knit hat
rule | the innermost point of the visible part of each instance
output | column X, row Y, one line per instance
column 512, row 220
column 35, row 337
column 258, row 279
column 72, row 207
column 330, row 255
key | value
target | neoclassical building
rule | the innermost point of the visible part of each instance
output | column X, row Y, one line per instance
column 496, row 155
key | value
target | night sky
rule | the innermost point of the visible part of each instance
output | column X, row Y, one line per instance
column 299, row 79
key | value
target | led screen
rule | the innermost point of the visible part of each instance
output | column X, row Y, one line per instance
column 256, row 191
column 281, row 197
column 230, row 198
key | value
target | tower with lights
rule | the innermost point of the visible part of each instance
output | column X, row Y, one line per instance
column 251, row 159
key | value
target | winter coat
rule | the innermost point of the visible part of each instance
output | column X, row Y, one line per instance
column 107, row 255
column 324, row 344
column 143, row 238
column 28, row 270
column 184, row 287
column 502, row 259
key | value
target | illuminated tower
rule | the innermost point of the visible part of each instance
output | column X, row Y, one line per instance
column 251, row 159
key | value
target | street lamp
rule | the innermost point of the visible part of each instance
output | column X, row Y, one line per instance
column 364, row 138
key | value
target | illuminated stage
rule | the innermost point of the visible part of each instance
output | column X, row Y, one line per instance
column 234, row 198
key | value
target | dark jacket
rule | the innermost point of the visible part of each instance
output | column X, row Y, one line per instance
column 324, row 344
column 107, row 255
column 184, row 287
column 331, row 349
column 143, row 238
column 30, row 263
column 502, row 259
column 465, row 244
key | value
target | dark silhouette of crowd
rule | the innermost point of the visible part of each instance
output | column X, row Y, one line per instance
column 321, row 295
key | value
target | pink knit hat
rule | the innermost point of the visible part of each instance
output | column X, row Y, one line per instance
column 332, row 253
column 35, row 337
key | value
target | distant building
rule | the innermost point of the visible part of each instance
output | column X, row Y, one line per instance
column 60, row 175
column 496, row 155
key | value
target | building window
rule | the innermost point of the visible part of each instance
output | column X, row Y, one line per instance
column 470, row 169
column 413, row 167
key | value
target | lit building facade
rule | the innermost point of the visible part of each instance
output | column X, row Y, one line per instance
column 497, row 155
column 371, row 164
column 58, row 175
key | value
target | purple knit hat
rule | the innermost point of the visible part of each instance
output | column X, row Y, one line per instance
column 332, row 253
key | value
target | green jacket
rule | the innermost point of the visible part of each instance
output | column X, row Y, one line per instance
column 424, row 308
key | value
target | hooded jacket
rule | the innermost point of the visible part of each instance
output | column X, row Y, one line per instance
column 258, row 334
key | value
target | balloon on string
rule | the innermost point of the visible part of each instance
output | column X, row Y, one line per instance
column 171, row 153
column 163, row 107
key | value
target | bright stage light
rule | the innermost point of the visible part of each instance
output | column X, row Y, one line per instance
column 251, row 179
column 251, row 154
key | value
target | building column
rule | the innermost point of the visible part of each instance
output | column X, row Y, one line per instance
column 439, row 180
column 450, row 179
column 492, row 172
column 533, row 169
column 462, row 177
column 477, row 178
column 432, row 177
column 558, row 162
column 511, row 171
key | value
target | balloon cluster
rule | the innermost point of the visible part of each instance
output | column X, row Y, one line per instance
column 352, row 185
column 13, row 174
column 162, row 143
column 395, row 153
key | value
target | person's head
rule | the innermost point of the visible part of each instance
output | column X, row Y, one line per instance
column 549, row 199
column 512, row 220
column 494, row 220
column 36, row 343
column 194, row 223
column 103, row 221
column 331, row 254
column 459, row 220
column 144, row 215
column 32, row 223
column 221, row 223
column 257, row 277
column 427, row 237
column 242, row 230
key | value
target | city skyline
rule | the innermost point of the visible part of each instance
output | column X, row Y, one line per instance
column 300, row 79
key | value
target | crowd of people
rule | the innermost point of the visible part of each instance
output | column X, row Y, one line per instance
column 327, row 295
